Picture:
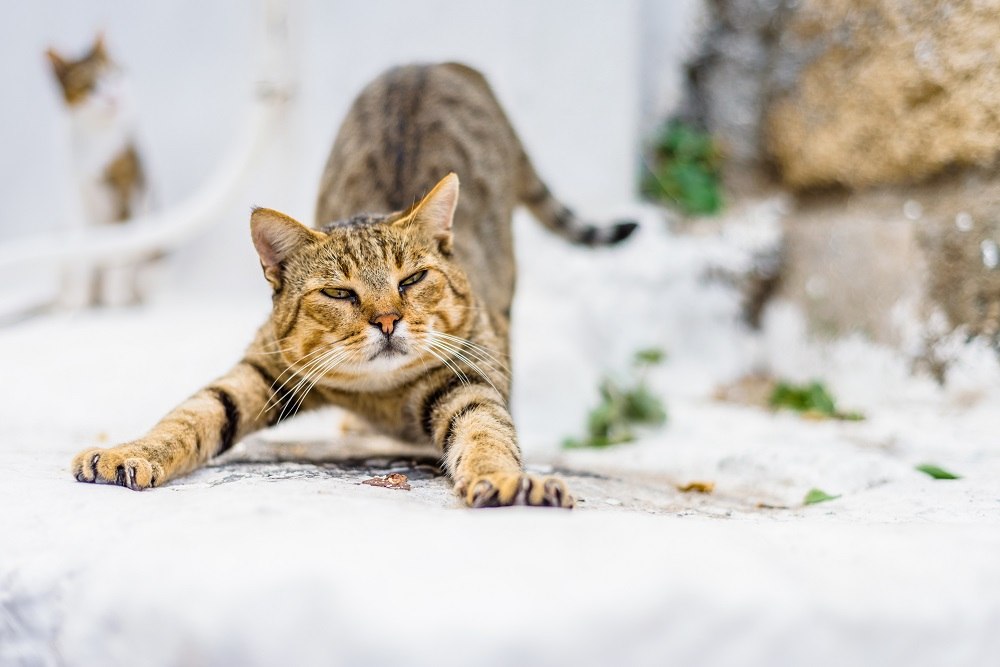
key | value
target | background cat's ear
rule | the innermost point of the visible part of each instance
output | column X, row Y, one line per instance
column 99, row 50
column 59, row 64
column 276, row 237
column 436, row 211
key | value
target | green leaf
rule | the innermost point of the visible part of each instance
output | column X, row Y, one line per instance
column 811, row 399
column 649, row 357
column 819, row 399
column 818, row 496
column 936, row 472
column 621, row 407
column 643, row 407
column 685, row 170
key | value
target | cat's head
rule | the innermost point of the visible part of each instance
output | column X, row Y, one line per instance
column 368, row 299
column 92, row 86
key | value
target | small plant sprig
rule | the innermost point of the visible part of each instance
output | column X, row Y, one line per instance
column 622, row 407
column 684, row 169
column 936, row 471
column 815, row 496
column 810, row 400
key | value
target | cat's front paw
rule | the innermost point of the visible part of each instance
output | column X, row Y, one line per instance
column 126, row 465
column 501, row 489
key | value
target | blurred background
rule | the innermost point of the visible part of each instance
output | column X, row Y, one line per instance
column 576, row 96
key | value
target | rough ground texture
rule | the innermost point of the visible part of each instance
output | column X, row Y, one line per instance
column 278, row 554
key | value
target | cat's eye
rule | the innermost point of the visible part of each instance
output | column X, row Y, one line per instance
column 413, row 280
column 339, row 293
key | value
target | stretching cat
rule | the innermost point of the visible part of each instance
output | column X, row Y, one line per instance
column 106, row 164
column 401, row 317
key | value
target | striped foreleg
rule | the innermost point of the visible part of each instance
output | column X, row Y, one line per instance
column 472, row 427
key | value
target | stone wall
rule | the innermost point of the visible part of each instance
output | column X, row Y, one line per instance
column 883, row 116
column 889, row 91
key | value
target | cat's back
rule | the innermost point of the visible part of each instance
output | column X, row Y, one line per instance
column 406, row 130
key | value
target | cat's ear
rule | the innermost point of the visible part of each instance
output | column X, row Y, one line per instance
column 59, row 64
column 99, row 50
column 436, row 212
column 276, row 237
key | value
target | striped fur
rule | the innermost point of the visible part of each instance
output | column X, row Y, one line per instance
column 400, row 316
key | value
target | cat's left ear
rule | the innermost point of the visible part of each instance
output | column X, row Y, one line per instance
column 436, row 212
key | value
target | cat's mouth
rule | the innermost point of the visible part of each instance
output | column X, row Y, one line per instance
column 389, row 349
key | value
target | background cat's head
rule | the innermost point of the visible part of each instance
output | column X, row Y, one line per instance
column 370, row 297
column 92, row 85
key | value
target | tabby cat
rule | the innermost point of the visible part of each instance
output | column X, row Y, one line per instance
column 402, row 317
column 106, row 165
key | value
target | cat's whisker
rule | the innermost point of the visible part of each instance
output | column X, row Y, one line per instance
column 473, row 353
column 330, row 365
column 318, row 368
column 318, row 374
column 296, row 396
column 469, row 358
column 469, row 362
column 486, row 358
column 483, row 351
column 276, row 391
column 451, row 366
column 278, row 385
column 318, row 351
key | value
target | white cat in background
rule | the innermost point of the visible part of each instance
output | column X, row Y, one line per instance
column 107, row 167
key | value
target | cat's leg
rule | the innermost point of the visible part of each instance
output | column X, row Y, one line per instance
column 244, row 400
column 120, row 288
column 353, row 424
column 98, row 283
column 76, row 285
column 471, row 425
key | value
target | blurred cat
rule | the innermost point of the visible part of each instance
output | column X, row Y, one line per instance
column 107, row 167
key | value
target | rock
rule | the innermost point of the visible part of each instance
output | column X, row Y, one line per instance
column 868, row 92
column 887, row 262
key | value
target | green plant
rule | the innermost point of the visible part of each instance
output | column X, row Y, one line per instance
column 684, row 169
column 622, row 407
column 817, row 496
column 811, row 400
column 936, row 472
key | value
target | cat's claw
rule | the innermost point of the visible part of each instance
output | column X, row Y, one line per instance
column 122, row 466
column 505, row 489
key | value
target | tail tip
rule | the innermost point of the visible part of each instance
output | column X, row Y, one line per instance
column 622, row 230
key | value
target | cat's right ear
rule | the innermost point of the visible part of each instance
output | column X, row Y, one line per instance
column 59, row 64
column 276, row 237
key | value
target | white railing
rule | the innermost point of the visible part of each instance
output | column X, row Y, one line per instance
column 169, row 229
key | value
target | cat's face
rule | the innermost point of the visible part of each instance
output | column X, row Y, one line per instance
column 92, row 86
column 367, row 300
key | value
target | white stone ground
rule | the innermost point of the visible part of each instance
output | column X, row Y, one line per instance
column 278, row 555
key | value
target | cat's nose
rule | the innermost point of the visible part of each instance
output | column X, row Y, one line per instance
column 386, row 321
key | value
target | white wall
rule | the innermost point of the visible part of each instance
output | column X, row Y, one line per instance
column 568, row 72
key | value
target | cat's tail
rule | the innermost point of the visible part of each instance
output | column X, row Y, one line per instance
column 559, row 218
